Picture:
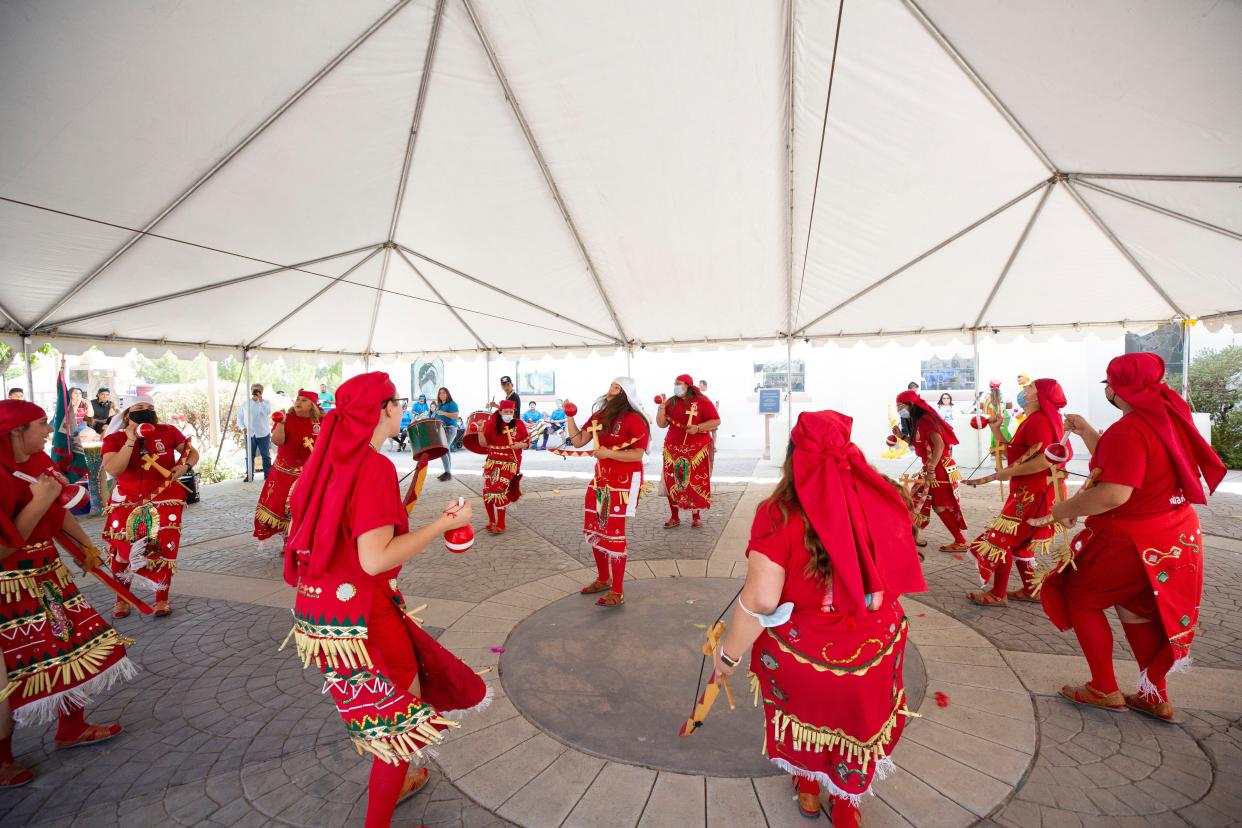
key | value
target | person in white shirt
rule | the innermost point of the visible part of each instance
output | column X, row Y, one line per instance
column 945, row 407
column 254, row 418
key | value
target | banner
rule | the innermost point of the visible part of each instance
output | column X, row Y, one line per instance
column 66, row 447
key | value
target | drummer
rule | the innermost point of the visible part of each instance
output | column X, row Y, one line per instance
column 448, row 412
column 504, row 436
column 511, row 394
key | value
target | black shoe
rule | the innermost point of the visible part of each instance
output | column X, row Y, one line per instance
column 445, row 476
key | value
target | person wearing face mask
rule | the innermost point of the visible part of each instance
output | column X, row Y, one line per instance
column 933, row 440
column 1141, row 549
column 294, row 432
column 1024, row 382
column 142, row 521
column 504, row 436
column 58, row 651
column 620, row 433
column 690, row 418
column 1009, row 539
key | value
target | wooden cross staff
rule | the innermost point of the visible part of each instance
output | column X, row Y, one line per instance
column 694, row 412
column 308, row 443
column 151, row 461
column 595, row 428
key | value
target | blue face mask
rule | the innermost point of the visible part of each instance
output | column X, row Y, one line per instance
column 1021, row 399
column 904, row 413
column 679, row 390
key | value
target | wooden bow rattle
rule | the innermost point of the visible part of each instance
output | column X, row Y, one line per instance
column 714, row 684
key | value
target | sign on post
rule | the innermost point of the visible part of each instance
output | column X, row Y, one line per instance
column 769, row 401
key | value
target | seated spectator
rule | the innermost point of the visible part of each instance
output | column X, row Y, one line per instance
column 421, row 409
column 102, row 410
column 17, row 394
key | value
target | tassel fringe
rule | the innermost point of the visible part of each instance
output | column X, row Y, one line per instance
column 47, row 709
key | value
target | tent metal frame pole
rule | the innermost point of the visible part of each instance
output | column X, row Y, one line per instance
column 790, row 135
column 1206, row 179
column 1138, row 202
column 249, row 434
column 819, row 159
column 407, row 160
column 974, row 347
column 1013, row 254
column 543, row 165
column 252, row 343
column 523, row 300
column 9, row 316
column 168, row 297
column 1186, row 325
column 789, row 385
column 931, row 250
column 223, row 162
column 228, row 418
column 29, row 370
column 478, row 339
column 1121, row 248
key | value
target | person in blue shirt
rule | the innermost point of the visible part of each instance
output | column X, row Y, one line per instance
column 407, row 416
column 448, row 412
column 556, row 421
column 327, row 400
column 421, row 409
column 532, row 416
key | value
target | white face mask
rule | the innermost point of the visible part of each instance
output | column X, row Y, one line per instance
column 508, row 418
column 679, row 390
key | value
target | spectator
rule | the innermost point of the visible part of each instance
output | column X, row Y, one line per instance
column 255, row 420
column 945, row 407
column 327, row 400
column 81, row 410
column 407, row 417
column 421, row 409
column 914, row 386
column 17, row 394
column 506, row 385
column 533, row 416
column 447, row 411
column 703, row 387
column 102, row 410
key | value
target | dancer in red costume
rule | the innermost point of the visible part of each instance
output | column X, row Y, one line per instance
column 504, row 436
column 294, row 435
column 830, row 554
column 933, row 441
column 58, row 652
column 620, row 432
column 1010, row 539
column 349, row 537
column 142, row 521
column 691, row 420
column 1141, row 549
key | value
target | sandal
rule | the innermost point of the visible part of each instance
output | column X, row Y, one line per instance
column 1161, row 710
column 415, row 781
column 595, row 586
column 1087, row 695
column 612, row 599
column 162, row 609
column 809, row 805
column 696, row 522
column 987, row 599
column 120, row 609
column 93, row 734
column 13, row 775
column 955, row 547
column 1023, row 595
column 672, row 523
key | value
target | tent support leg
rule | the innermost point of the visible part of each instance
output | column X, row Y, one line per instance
column 29, row 370
column 249, row 432
column 1186, row 323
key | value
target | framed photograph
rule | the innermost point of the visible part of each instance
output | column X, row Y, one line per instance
column 772, row 375
column 533, row 382
column 426, row 377
column 957, row 373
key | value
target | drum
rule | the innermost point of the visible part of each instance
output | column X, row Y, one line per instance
column 427, row 438
column 474, row 425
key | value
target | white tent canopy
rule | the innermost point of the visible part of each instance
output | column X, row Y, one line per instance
column 464, row 175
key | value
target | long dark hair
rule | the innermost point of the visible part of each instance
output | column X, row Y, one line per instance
column 785, row 498
column 448, row 398
column 916, row 414
column 692, row 391
column 617, row 407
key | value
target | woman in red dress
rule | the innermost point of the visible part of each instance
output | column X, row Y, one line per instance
column 349, row 537
column 294, row 435
column 933, row 441
column 504, row 436
column 58, row 652
column 142, row 521
column 691, row 420
column 1141, row 549
column 830, row 554
column 620, row 432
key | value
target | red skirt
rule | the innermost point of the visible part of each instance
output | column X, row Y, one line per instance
column 688, row 473
column 271, row 516
column 1010, row 534
column 611, row 497
column 500, row 469
column 943, row 495
column 144, row 535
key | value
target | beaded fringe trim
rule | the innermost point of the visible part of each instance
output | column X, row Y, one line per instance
column 801, row 736
column 348, row 650
column 883, row 769
column 48, row 709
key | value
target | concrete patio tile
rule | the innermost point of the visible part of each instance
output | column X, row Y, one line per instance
column 956, row 635
column 779, row 801
column 481, row 746
column 494, row 782
column 717, row 568
column 565, row 584
column 517, row 598
column 616, row 798
column 637, row 569
column 461, row 640
column 498, row 711
column 541, row 590
column 732, row 803
column 922, row 805
column 998, row 761
column 474, row 623
column 966, row 786
column 995, row 678
column 677, row 799
column 1001, row 702
column 663, row 569
column 546, row 800
column 1003, row 730
column 440, row 612
column 494, row 609
column 582, row 577
column 692, row 569
column 739, row 569
column 964, row 656
column 876, row 813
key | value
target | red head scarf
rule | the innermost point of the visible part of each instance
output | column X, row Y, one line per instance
column 859, row 517
column 310, row 395
column 686, row 380
column 15, row 414
column 1139, row 380
column 1051, row 401
column 327, row 479
column 507, row 405
column 930, row 414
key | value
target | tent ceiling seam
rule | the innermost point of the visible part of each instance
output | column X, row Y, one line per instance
column 223, row 162
column 543, row 165
column 475, row 280
column 1121, row 248
column 316, row 295
column 1197, row 179
column 790, row 135
column 1013, row 254
column 11, row 317
column 819, row 160
column 926, row 253
column 477, row 339
column 1156, row 208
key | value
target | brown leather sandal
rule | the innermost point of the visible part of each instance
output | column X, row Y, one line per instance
column 415, row 781
column 13, row 775
column 1087, row 695
column 612, row 599
column 672, row 523
column 120, row 609
column 595, row 586
column 1161, row 710
column 94, row 733
column 1023, row 595
column 987, row 599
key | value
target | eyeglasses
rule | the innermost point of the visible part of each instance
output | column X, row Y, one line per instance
column 397, row 400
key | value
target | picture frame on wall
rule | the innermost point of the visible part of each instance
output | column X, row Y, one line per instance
column 534, row 382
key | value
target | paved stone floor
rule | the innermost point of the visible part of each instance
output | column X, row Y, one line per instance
column 222, row 730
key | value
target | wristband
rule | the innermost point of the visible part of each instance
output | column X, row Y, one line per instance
column 729, row 662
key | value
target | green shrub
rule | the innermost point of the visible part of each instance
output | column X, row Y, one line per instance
column 210, row 471
column 1216, row 389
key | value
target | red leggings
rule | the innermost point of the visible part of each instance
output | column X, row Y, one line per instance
column 386, row 631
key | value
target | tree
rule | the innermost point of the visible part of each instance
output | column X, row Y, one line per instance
column 169, row 369
column 1216, row 389
column 283, row 376
column 13, row 364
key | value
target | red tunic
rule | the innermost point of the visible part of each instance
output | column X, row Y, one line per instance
column 142, row 521
column 1030, row 496
column 687, row 457
column 56, row 648
column 354, row 626
column 1147, row 554
column 502, row 464
column 613, row 493
column 272, row 514
column 832, row 687
column 944, row 481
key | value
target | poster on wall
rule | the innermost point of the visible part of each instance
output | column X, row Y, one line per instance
column 535, row 383
column 772, row 375
column 426, row 377
column 957, row 373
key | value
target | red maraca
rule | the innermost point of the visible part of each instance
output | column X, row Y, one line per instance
column 460, row 539
column 891, row 441
column 978, row 422
column 145, row 430
column 71, row 494
column 1058, row 453
column 278, row 417
column 569, row 408
column 659, row 399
